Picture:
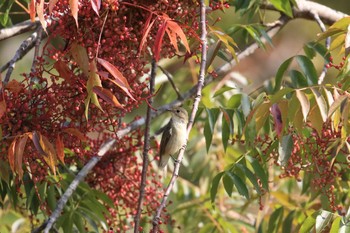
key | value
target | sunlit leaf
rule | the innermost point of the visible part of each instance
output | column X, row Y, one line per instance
column 226, row 40
column 107, row 96
column 335, row 225
column 80, row 56
column 304, row 102
column 323, row 220
column 96, row 5
column 93, row 81
column 40, row 12
column 315, row 119
column 321, row 102
column 147, row 28
column 261, row 114
column 336, row 104
column 309, row 223
column 73, row 4
column 159, row 40
column 176, row 29
column 222, row 90
column 284, row 6
column 20, row 145
column 337, row 42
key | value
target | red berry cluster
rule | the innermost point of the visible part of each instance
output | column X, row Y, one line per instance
column 331, row 64
column 313, row 156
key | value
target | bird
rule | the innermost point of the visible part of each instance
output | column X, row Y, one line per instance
column 174, row 135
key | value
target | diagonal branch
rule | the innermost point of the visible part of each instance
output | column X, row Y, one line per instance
column 19, row 28
column 197, row 99
column 47, row 225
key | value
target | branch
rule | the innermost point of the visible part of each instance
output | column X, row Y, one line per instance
column 307, row 9
column 145, row 150
column 197, row 99
column 170, row 78
column 47, row 225
column 19, row 28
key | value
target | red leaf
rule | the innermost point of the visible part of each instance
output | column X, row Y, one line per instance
column 159, row 40
column 52, row 4
column 120, row 80
column 76, row 132
column 60, row 148
column 173, row 26
column 148, row 27
column 14, row 86
column 40, row 12
column 36, row 141
column 96, row 5
column 63, row 70
column 74, row 9
column 32, row 10
column 277, row 119
column 107, row 95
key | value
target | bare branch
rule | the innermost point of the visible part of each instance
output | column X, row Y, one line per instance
column 327, row 43
column 145, row 150
column 47, row 225
column 19, row 28
column 197, row 99
column 36, row 51
column 305, row 9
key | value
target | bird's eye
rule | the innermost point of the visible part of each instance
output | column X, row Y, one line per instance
column 178, row 111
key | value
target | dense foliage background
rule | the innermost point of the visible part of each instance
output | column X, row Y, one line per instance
column 269, row 149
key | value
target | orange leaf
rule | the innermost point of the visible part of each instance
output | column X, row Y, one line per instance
column 159, row 40
column 14, row 86
column 21, row 143
column 60, row 148
column 52, row 4
column 96, row 5
column 108, row 96
column 50, row 152
column 63, row 70
column 40, row 12
column 120, row 80
column 74, row 9
column 148, row 27
column 94, row 80
column 36, row 140
column 11, row 154
column 76, row 132
column 173, row 26
column 173, row 39
column 32, row 10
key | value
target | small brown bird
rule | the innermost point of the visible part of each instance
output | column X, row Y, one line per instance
column 174, row 135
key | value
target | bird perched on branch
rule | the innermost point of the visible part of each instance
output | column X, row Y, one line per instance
column 174, row 135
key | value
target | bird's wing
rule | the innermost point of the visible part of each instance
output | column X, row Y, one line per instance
column 165, row 138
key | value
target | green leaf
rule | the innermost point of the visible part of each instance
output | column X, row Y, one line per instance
column 227, row 126
column 298, row 79
column 259, row 171
column 228, row 184
column 78, row 222
column 320, row 49
column 245, row 103
column 308, row 224
column 261, row 114
column 212, row 52
column 250, row 176
column 234, row 101
column 280, row 94
column 284, row 6
column 285, row 149
column 342, row 23
column 212, row 116
column 308, row 69
column 223, row 90
column 275, row 220
column 280, row 72
column 240, row 185
column 335, row 225
column 214, row 187
column 51, row 197
column 288, row 222
column 329, row 32
column 315, row 119
column 323, row 220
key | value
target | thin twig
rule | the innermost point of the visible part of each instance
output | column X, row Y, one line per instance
column 36, row 53
column 327, row 43
column 170, row 78
column 197, row 99
column 145, row 149
column 68, row 193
